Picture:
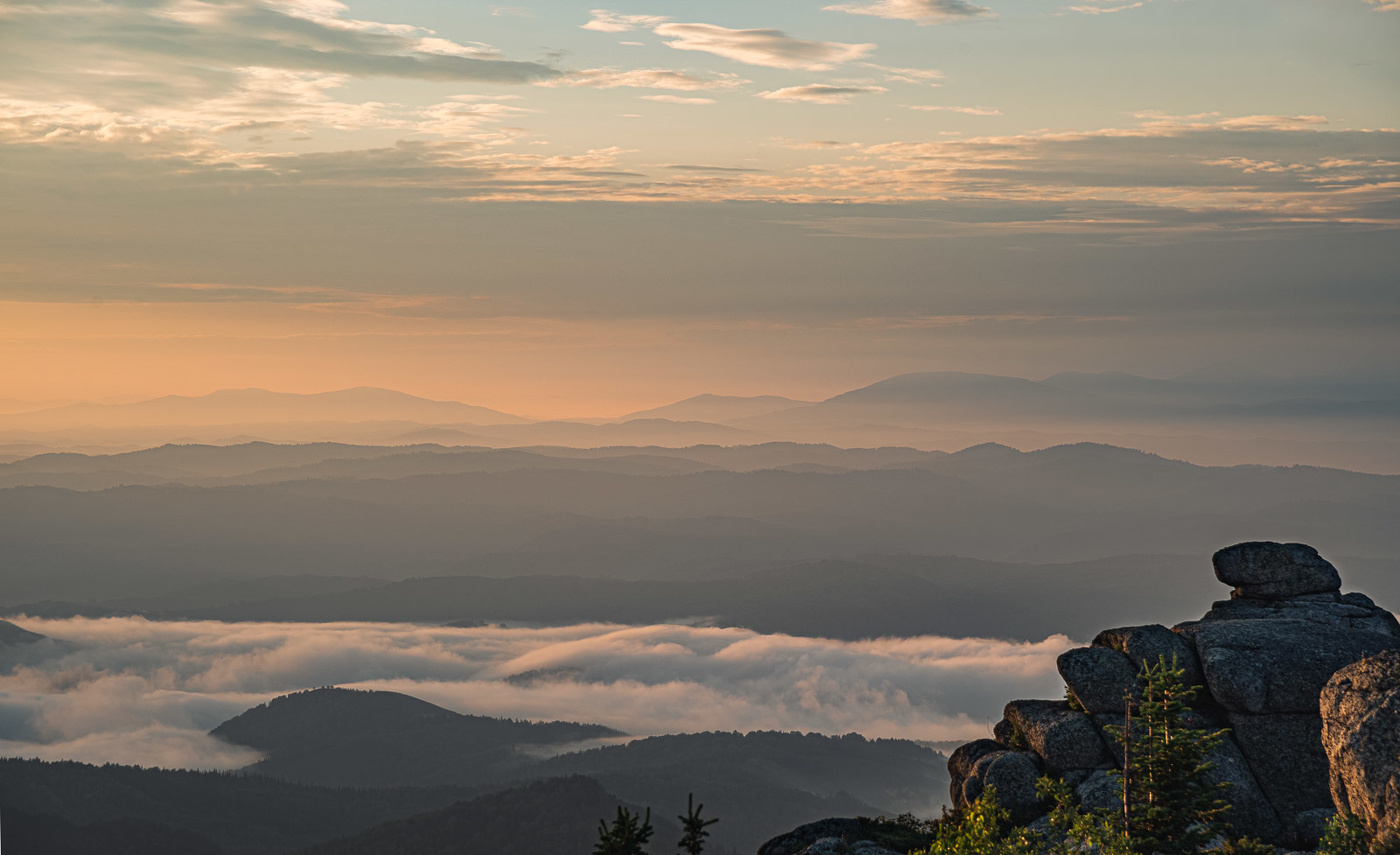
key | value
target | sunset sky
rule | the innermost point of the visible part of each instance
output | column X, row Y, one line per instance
column 556, row 209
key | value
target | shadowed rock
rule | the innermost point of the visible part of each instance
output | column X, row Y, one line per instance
column 1264, row 666
column 1062, row 737
column 1099, row 678
column 1266, row 570
column 1286, row 756
column 1013, row 774
column 1149, row 644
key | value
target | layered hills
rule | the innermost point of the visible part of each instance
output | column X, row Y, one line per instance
column 262, row 527
column 1342, row 422
column 760, row 782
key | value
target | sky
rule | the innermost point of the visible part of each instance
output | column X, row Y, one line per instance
column 564, row 210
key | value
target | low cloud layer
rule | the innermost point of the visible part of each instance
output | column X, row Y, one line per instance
column 132, row 691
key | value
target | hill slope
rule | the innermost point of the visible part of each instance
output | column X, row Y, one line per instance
column 558, row 816
column 345, row 737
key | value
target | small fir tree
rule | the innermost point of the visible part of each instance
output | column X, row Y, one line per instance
column 693, row 842
column 1170, row 805
column 628, row 835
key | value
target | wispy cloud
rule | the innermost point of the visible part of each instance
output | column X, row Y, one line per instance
column 771, row 48
column 646, row 78
column 924, row 76
column 820, row 93
column 968, row 111
column 677, row 99
column 1106, row 9
column 129, row 690
column 922, row 12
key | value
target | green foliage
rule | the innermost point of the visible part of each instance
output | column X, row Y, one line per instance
column 982, row 828
column 1074, row 831
column 693, row 840
column 1073, row 701
column 1245, row 846
column 628, row 836
column 1345, row 835
column 904, row 833
column 1172, row 807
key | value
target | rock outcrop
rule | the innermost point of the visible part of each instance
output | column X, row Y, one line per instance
column 1262, row 659
column 836, row 836
column 1361, row 737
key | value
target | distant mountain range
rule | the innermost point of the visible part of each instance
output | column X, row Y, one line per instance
column 719, row 409
column 252, row 406
column 230, row 515
column 1320, row 421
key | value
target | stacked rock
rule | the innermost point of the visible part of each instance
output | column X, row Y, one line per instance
column 1261, row 660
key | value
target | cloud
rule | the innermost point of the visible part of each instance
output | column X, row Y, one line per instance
column 647, row 78
column 969, row 111
column 605, row 21
column 922, row 12
column 1385, row 5
column 130, row 52
column 1105, row 10
column 770, row 48
column 676, row 99
column 820, row 93
column 923, row 76
column 130, row 690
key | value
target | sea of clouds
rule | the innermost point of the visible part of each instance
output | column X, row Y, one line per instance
column 129, row 690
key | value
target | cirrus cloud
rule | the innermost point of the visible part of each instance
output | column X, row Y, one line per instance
column 770, row 48
column 677, row 99
column 646, row 78
column 922, row 12
column 820, row 93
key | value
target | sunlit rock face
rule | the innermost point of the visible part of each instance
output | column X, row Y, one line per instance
column 1261, row 660
column 1361, row 735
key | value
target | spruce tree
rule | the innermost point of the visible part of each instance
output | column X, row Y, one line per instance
column 1170, row 805
column 693, row 842
column 628, row 835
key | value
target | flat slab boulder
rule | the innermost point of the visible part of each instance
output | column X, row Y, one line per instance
column 1361, row 736
column 1064, row 738
column 1269, row 666
column 1348, row 611
column 1099, row 677
column 1271, row 571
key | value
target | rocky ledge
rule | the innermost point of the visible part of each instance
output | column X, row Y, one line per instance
column 1262, row 659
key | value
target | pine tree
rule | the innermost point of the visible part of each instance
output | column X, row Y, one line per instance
column 628, row 835
column 1170, row 805
column 693, row 842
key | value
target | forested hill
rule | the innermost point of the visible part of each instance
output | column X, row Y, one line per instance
column 242, row 814
column 558, row 816
column 347, row 737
